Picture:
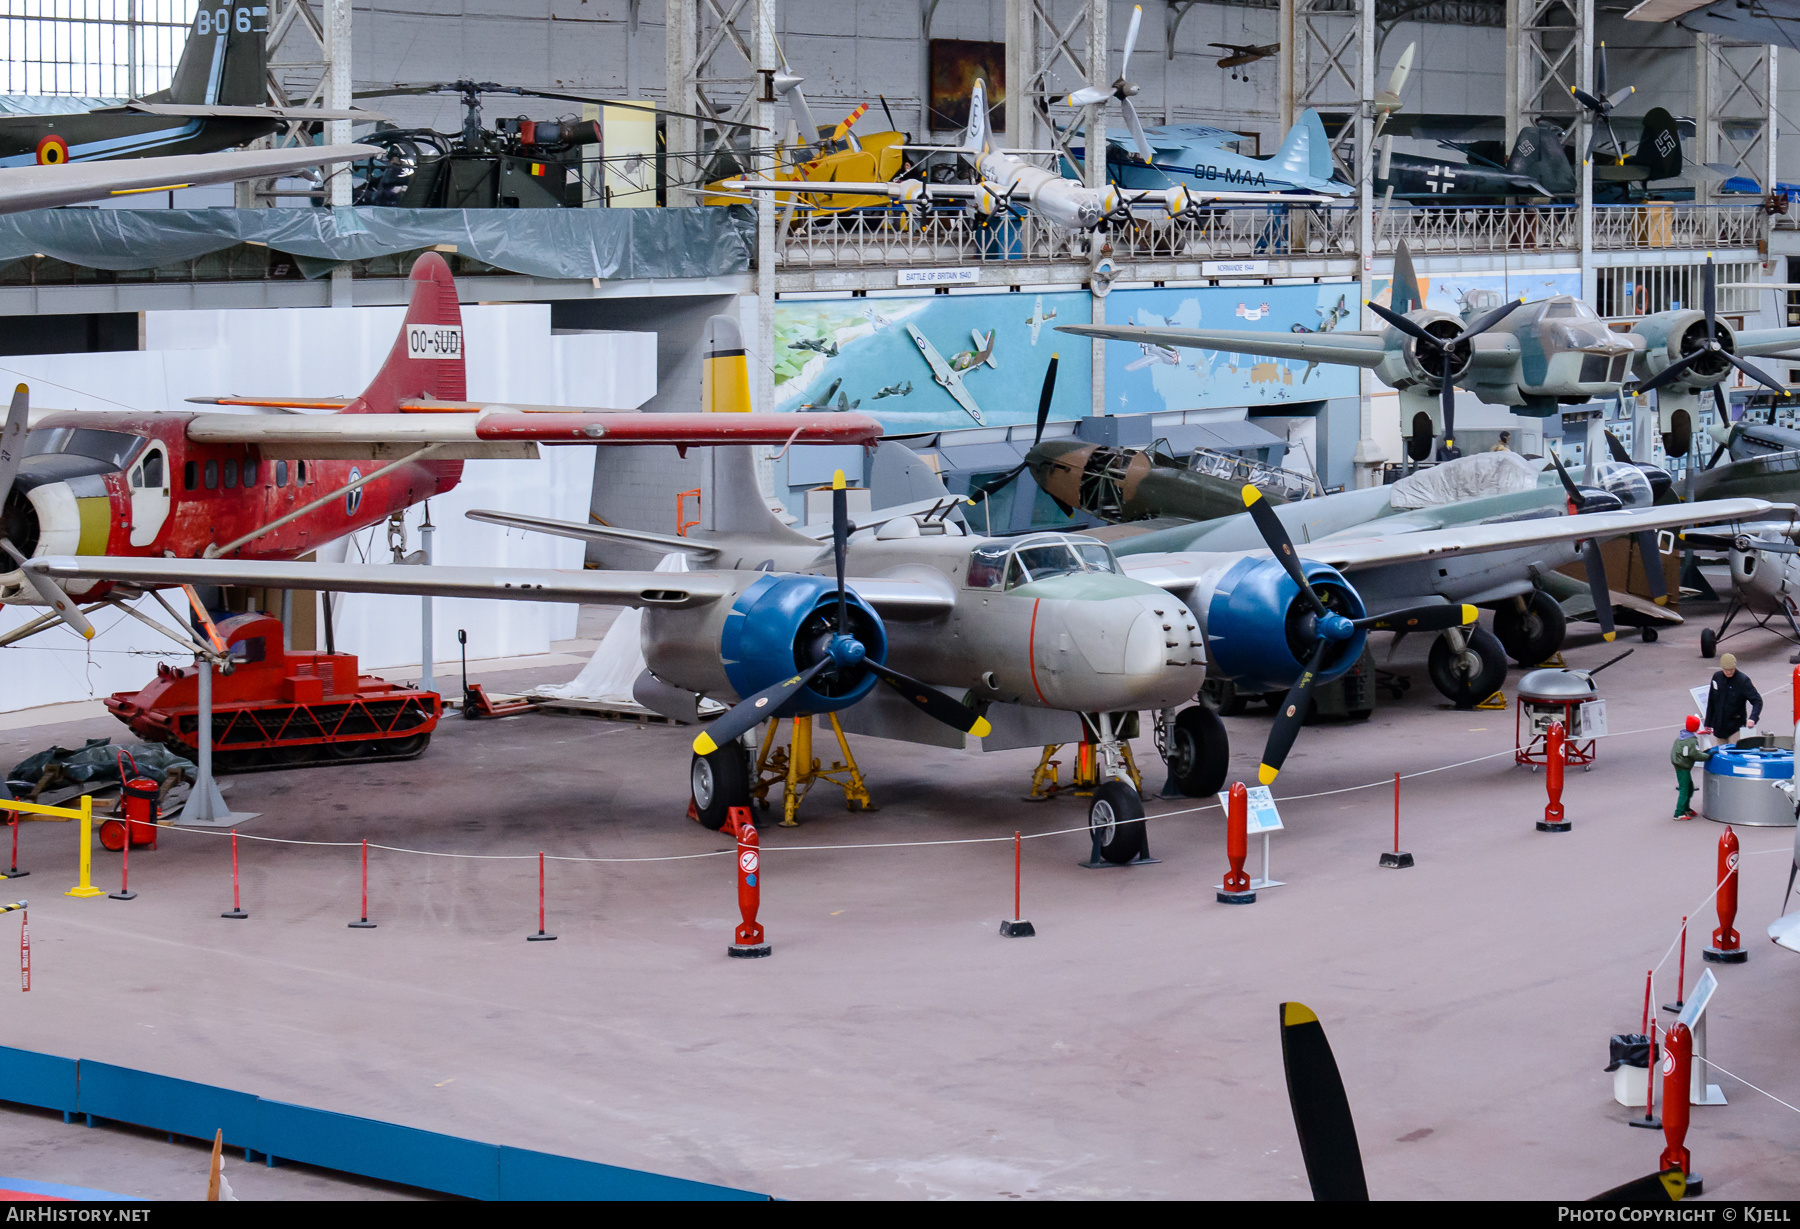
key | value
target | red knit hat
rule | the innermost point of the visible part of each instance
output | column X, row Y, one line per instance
column 1693, row 723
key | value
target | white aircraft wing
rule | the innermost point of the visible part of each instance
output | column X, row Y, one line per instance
column 72, row 183
column 899, row 189
column 946, row 375
column 1350, row 349
column 662, row 589
column 1179, row 571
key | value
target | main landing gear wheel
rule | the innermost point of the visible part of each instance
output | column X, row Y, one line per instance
column 1199, row 752
column 1531, row 635
column 1709, row 642
column 719, row 782
column 1116, row 820
column 1471, row 676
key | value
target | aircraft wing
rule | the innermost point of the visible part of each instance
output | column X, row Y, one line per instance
column 1350, row 349
column 595, row 533
column 201, row 111
column 509, row 431
column 1180, row 571
column 660, row 589
column 899, row 189
column 72, row 183
column 1766, row 341
column 1770, row 21
column 945, row 375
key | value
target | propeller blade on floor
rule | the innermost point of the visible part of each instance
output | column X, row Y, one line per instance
column 752, row 711
column 1291, row 716
column 51, row 594
column 1653, row 569
column 1420, row 619
column 932, row 702
column 1322, row 1117
column 1595, row 568
column 1670, row 1184
column 1275, row 535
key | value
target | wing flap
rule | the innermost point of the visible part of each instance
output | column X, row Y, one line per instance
column 511, row 426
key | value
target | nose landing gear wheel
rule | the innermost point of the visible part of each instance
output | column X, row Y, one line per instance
column 719, row 782
column 1471, row 676
column 1116, row 822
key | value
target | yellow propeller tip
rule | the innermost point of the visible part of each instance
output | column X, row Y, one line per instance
column 20, row 388
column 704, row 745
column 837, row 480
column 981, row 728
column 1266, row 775
column 1469, row 615
column 1608, row 636
column 88, row 634
column 1297, row 1013
column 1251, row 495
column 1663, row 600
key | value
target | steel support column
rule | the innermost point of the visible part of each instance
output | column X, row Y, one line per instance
column 1734, row 111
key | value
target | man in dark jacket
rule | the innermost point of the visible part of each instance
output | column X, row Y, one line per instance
column 1727, row 699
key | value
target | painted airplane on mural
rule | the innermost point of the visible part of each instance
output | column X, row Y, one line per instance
column 271, row 487
column 218, row 99
column 1533, row 357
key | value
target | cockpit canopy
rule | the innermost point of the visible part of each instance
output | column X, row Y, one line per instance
column 1628, row 482
column 57, row 454
column 995, row 565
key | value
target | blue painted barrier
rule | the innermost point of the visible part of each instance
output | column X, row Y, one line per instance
column 366, row 1147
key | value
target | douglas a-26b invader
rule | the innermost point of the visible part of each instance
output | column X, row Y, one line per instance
column 916, row 605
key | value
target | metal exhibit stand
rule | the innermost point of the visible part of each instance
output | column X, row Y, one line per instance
column 1261, row 817
column 427, row 673
column 205, row 807
column 1693, row 1014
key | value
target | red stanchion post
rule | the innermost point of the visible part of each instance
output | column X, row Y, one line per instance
column 1236, row 888
column 1554, row 753
column 1395, row 859
column 1680, row 975
column 749, row 935
column 1649, row 1121
column 540, row 936
column 1726, row 949
column 1677, row 1070
column 237, row 910
column 24, row 948
column 13, row 871
column 1795, row 691
column 124, row 892
column 365, row 923
column 1017, row 927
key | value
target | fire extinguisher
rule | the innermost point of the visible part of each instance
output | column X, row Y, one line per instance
column 139, row 799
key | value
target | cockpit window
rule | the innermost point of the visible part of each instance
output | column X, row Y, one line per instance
column 1568, row 309
column 1097, row 557
column 114, row 447
column 1626, row 481
column 987, row 565
column 992, row 564
column 1044, row 561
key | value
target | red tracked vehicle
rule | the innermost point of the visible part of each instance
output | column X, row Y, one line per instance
column 276, row 708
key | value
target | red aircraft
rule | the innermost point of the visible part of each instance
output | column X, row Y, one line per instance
column 205, row 485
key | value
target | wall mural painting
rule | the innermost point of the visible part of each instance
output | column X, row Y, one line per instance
column 1151, row 379
column 933, row 362
column 1446, row 291
column 956, row 64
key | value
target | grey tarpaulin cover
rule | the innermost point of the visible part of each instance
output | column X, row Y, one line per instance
column 1471, row 477
column 611, row 244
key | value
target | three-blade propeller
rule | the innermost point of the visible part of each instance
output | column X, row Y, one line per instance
column 12, row 452
column 1327, row 1129
column 1601, row 105
column 842, row 654
column 1329, row 629
column 1122, row 89
column 1709, row 306
column 1445, row 350
column 1043, row 416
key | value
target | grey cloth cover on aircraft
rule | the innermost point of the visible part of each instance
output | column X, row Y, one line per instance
column 1471, row 477
column 610, row 244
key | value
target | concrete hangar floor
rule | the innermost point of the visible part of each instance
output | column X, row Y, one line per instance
column 894, row 1046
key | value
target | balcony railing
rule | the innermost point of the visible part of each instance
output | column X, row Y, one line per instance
column 1630, row 227
column 1520, row 228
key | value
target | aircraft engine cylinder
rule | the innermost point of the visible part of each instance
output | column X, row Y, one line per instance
column 1260, row 631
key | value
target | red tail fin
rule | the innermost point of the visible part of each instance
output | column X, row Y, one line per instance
column 427, row 358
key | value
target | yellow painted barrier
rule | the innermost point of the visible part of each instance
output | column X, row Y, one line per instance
column 85, row 813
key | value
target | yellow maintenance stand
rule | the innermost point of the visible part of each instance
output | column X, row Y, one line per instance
column 795, row 767
column 85, row 813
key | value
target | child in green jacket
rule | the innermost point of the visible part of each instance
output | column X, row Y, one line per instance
column 1685, row 754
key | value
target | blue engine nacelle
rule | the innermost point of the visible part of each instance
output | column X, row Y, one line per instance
column 784, row 624
column 1260, row 632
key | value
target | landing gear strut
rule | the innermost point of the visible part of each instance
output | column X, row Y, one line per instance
column 1467, row 665
column 1116, row 813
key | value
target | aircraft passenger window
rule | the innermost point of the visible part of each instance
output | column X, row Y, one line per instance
column 153, row 469
column 212, row 475
column 231, row 474
column 249, row 473
column 189, row 476
column 281, row 473
column 137, row 476
column 300, row 473
column 987, row 564
column 1097, row 557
